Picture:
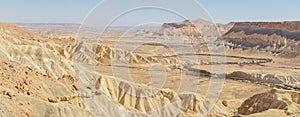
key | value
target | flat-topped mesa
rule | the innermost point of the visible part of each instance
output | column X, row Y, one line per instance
column 186, row 23
column 187, row 28
column 287, row 25
column 289, row 30
column 194, row 28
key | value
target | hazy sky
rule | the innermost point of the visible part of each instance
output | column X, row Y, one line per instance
column 74, row 11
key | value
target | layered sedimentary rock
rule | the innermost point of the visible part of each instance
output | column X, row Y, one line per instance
column 279, row 38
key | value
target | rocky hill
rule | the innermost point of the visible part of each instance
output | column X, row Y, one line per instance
column 196, row 28
column 275, row 99
column 34, row 80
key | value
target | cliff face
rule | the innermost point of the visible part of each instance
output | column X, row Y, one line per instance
column 280, row 38
column 288, row 25
column 289, row 30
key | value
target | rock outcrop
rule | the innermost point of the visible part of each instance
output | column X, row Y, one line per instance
column 275, row 99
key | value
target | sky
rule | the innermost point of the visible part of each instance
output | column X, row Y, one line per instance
column 92, row 12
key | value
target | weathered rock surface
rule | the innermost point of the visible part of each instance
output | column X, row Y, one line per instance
column 275, row 99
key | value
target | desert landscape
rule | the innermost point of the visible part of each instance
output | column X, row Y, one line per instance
column 239, row 69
